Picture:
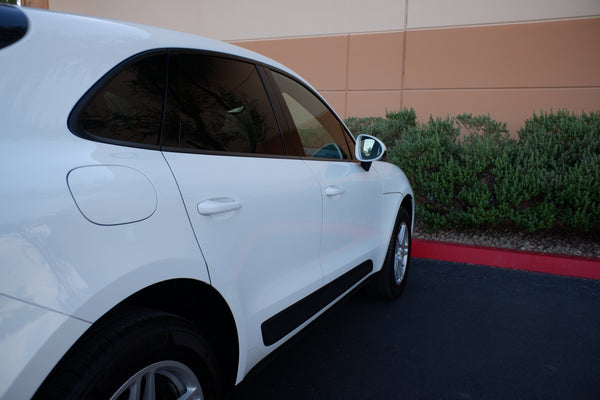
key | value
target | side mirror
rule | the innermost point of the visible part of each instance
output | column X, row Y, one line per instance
column 368, row 149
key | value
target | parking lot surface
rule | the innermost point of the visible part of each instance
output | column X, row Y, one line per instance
column 458, row 332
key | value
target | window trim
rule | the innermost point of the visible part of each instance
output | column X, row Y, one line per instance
column 184, row 150
column 265, row 71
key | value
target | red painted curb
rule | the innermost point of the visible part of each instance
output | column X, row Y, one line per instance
column 581, row 267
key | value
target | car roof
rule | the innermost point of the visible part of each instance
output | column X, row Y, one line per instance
column 131, row 37
column 62, row 55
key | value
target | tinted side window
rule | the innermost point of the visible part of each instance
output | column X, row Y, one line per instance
column 320, row 132
column 128, row 106
column 219, row 104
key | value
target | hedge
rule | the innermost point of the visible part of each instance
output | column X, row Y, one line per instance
column 468, row 171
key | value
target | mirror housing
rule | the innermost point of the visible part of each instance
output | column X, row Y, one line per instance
column 368, row 149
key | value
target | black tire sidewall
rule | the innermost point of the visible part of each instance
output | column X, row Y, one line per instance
column 120, row 346
column 394, row 289
column 152, row 345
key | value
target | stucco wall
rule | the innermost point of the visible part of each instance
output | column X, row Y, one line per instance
column 509, row 58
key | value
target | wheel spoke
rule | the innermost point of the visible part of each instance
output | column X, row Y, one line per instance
column 401, row 253
column 181, row 381
column 134, row 389
column 150, row 386
column 192, row 394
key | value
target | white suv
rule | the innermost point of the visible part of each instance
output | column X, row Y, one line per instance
column 173, row 210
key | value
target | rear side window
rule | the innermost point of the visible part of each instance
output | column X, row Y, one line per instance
column 128, row 107
column 219, row 104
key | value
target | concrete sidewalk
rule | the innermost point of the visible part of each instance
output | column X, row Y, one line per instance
column 581, row 267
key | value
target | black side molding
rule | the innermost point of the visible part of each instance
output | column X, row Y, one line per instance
column 284, row 322
column 13, row 25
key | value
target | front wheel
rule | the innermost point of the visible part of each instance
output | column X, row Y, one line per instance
column 139, row 354
column 390, row 281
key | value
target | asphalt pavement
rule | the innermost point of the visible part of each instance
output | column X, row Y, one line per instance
column 459, row 332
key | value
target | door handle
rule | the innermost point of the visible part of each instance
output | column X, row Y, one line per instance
column 217, row 206
column 334, row 191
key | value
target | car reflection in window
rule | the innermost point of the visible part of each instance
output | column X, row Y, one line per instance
column 330, row 150
column 219, row 104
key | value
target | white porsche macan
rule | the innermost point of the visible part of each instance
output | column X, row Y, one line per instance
column 173, row 210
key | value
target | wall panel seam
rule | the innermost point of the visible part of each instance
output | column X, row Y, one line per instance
column 404, row 43
column 483, row 88
column 506, row 23
column 347, row 74
column 415, row 29
column 337, row 91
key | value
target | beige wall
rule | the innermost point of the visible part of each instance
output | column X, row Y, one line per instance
column 443, row 13
column 508, row 71
column 264, row 19
column 507, row 58
column 35, row 3
column 515, row 70
column 243, row 19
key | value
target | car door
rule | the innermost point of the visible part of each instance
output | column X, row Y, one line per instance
column 352, row 196
column 255, row 211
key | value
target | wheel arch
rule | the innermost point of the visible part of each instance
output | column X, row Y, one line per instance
column 408, row 204
column 192, row 300
column 393, row 202
column 201, row 304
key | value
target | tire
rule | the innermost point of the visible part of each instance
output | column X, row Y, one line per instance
column 390, row 281
column 138, row 350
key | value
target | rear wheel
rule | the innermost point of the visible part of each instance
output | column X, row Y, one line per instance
column 141, row 354
column 390, row 281
column 164, row 380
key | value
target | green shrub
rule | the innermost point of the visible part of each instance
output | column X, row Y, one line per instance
column 428, row 155
column 557, row 171
column 388, row 129
column 468, row 171
column 454, row 179
column 484, row 153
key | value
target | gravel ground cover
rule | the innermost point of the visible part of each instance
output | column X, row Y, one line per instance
column 583, row 245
